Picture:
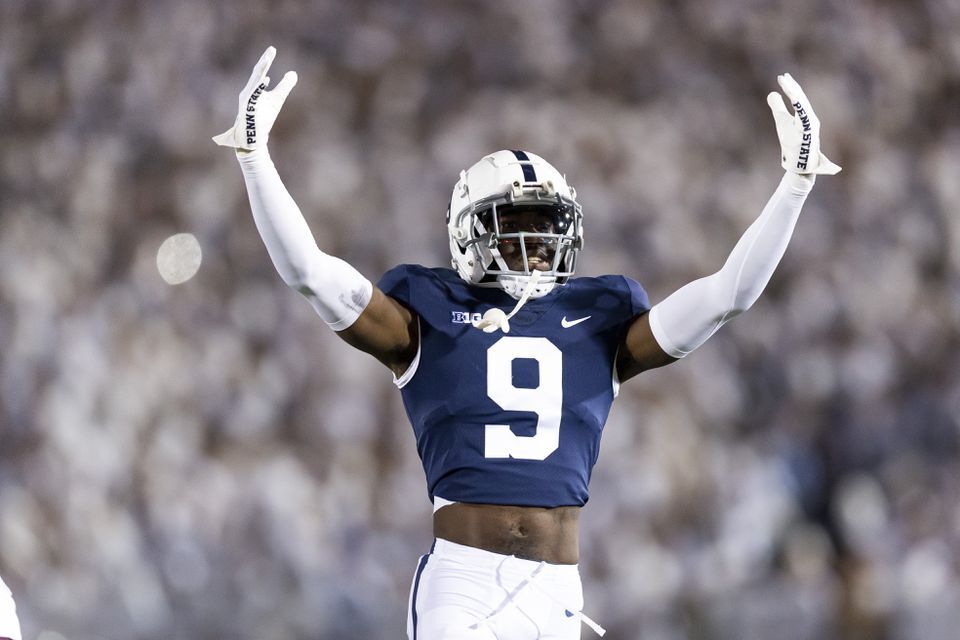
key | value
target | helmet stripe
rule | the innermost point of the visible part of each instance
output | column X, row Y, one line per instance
column 529, row 175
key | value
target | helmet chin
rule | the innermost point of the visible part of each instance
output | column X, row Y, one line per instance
column 514, row 286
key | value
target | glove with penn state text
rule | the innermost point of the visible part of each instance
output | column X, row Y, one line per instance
column 258, row 107
column 799, row 133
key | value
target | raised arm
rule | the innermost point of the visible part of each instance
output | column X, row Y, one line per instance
column 350, row 305
column 688, row 317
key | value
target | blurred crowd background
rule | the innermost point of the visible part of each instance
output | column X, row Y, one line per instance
column 208, row 460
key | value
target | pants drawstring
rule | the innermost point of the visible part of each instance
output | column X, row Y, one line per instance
column 532, row 580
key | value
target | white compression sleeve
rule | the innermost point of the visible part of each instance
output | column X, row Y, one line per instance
column 693, row 313
column 336, row 290
column 9, row 624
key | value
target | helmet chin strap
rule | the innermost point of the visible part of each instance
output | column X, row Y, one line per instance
column 494, row 318
column 514, row 286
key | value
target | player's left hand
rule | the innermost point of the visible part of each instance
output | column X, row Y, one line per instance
column 258, row 107
column 799, row 133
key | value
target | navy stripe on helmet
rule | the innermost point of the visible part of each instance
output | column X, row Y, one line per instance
column 529, row 175
column 416, row 587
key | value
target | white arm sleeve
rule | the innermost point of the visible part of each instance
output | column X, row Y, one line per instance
column 336, row 290
column 693, row 313
column 9, row 624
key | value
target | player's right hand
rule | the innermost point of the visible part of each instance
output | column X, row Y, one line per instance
column 258, row 107
column 799, row 133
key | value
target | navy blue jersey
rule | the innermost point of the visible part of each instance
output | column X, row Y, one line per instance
column 513, row 418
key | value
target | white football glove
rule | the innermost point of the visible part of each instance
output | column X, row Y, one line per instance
column 258, row 107
column 799, row 133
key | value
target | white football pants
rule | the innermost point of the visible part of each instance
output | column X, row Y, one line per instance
column 464, row 593
column 9, row 624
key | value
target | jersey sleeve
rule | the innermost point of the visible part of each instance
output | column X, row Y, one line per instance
column 396, row 283
column 639, row 301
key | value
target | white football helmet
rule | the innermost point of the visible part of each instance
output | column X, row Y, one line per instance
column 488, row 253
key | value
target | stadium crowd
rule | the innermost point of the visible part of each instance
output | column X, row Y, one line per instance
column 208, row 460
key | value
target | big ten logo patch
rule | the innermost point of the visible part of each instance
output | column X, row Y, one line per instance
column 464, row 317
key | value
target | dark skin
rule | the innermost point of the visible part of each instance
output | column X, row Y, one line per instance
column 387, row 330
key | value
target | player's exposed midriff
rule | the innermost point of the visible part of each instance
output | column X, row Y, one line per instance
column 531, row 533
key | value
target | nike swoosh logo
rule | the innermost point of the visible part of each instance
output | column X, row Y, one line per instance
column 566, row 324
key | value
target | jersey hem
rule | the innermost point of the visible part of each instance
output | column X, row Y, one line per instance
column 614, row 378
column 412, row 369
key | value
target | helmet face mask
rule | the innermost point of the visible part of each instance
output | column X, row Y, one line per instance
column 526, row 218
column 519, row 235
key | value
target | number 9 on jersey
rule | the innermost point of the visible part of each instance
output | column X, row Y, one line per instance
column 545, row 400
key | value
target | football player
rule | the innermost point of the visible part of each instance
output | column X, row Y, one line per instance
column 507, row 363
column 9, row 624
